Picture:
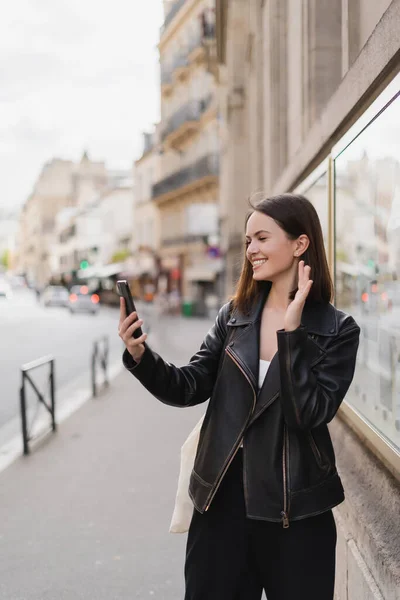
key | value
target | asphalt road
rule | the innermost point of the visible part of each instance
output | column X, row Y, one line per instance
column 29, row 331
column 87, row 514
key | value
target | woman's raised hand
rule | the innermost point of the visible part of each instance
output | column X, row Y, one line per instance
column 294, row 311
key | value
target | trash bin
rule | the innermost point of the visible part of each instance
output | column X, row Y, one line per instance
column 187, row 308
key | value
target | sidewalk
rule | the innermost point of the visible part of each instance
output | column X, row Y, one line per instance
column 86, row 515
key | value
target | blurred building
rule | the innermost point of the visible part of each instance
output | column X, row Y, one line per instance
column 60, row 184
column 186, row 182
column 310, row 102
column 93, row 240
column 8, row 239
column 146, row 234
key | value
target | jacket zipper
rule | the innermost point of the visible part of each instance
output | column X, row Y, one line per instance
column 285, row 512
column 240, row 437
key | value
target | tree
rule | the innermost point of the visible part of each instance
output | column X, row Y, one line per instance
column 120, row 256
column 5, row 259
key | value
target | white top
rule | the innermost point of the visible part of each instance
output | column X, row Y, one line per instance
column 264, row 366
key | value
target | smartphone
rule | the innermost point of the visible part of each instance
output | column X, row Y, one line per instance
column 125, row 293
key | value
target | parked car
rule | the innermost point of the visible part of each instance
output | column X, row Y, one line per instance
column 81, row 300
column 55, row 295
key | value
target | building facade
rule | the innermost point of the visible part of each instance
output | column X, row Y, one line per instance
column 146, row 234
column 186, row 186
column 310, row 102
column 61, row 184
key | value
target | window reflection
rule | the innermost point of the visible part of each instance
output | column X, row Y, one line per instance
column 367, row 206
column 317, row 193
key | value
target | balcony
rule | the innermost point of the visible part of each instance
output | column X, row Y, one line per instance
column 185, row 121
column 202, row 44
column 175, row 7
column 180, row 66
column 166, row 79
column 148, row 142
column 183, row 240
column 201, row 173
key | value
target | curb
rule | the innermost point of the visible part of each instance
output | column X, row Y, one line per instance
column 11, row 450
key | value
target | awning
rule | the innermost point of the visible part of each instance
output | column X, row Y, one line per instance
column 111, row 269
column 204, row 271
column 101, row 271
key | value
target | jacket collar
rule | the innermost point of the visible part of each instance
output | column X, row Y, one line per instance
column 317, row 318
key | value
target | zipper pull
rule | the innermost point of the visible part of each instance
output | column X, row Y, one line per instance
column 285, row 520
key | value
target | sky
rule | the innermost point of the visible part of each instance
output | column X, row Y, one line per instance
column 75, row 75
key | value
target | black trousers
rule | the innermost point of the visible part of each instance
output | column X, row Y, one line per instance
column 230, row 557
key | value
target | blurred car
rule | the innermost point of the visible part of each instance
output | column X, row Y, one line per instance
column 5, row 289
column 81, row 300
column 17, row 281
column 55, row 295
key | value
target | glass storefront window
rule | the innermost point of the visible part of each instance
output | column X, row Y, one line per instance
column 315, row 189
column 367, row 253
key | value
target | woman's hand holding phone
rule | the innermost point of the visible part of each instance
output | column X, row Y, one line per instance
column 127, row 325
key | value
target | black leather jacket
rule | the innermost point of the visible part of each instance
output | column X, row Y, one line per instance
column 289, row 467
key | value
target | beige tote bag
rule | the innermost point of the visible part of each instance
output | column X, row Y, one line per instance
column 183, row 509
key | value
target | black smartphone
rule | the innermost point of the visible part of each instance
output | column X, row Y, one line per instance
column 125, row 292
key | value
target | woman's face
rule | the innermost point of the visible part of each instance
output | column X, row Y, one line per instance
column 269, row 249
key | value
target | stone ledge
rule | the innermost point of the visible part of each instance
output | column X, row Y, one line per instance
column 358, row 88
column 369, row 517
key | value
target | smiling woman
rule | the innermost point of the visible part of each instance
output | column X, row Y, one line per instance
column 279, row 229
column 276, row 366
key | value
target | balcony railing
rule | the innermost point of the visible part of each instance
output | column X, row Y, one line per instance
column 207, row 165
column 148, row 143
column 166, row 75
column 204, row 33
column 191, row 111
column 181, row 60
column 172, row 12
column 183, row 239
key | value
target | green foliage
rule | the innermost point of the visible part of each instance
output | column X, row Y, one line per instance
column 5, row 259
column 120, row 256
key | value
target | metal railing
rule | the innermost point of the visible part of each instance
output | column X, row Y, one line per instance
column 148, row 142
column 180, row 60
column 26, row 378
column 207, row 165
column 203, row 35
column 172, row 12
column 99, row 358
column 191, row 111
column 166, row 74
column 196, row 41
column 190, row 238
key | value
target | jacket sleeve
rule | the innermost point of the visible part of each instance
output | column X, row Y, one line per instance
column 311, row 396
column 188, row 385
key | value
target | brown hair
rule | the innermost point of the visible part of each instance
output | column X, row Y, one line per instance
column 296, row 216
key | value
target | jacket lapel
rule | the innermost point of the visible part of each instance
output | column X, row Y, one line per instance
column 245, row 345
column 318, row 319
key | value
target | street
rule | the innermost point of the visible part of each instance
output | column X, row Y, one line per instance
column 87, row 514
column 30, row 331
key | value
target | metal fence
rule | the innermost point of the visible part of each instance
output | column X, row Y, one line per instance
column 99, row 359
column 27, row 428
column 207, row 165
column 172, row 12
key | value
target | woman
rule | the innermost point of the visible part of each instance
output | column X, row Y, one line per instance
column 276, row 366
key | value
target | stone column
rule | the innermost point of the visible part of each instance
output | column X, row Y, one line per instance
column 323, row 55
column 275, row 90
column 234, row 180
